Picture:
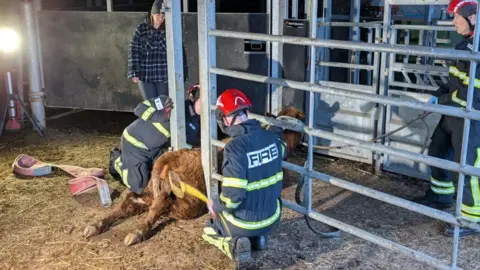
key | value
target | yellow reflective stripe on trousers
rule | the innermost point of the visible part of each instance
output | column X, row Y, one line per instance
column 471, row 213
column 463, row 76
column 253, row 225
column 123, row 173
column 234, row 182
column 162, row 130
column 440, row 183
column 228, row 202
column 133, row 140
column 118, row 165
column 220, row 242
column 443, row 191
column 474, row 182
column 125, row 178
column 147, row 113
column 457, row 100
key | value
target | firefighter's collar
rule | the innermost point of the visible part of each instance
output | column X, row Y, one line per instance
column 243, row 128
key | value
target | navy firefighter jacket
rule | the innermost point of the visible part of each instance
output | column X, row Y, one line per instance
column 152, row 129
column 253, row 175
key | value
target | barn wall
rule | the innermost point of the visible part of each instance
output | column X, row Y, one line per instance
column 85, row 57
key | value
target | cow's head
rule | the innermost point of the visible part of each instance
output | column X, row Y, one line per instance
column 292, row 138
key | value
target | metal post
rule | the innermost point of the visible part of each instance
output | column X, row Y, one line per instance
column 279, row 13
column 354, row 36
column 312, row 18
column 36, row 94
column 37, row 6
column 208, row 93
column 466, row 135
column 391, row 64
column 176, row 91
column 383, row 83
column 294, row 9
column 185, row 5
column 327, row 17
column 109, row 5
column 369, row 56
column 269, row 55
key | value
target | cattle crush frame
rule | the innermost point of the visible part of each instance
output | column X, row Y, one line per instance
column 383, row 46
column 208, row 72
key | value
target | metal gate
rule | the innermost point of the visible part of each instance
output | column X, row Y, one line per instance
column 415, row 78
column 343, row 115
column 208, row 79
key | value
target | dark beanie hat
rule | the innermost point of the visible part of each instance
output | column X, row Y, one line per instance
column 158, row 7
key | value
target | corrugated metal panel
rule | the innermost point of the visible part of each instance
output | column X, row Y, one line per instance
column 348, row 117
column 411, row 138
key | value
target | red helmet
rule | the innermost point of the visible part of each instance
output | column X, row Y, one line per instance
column 464, row 8
column 232, row 101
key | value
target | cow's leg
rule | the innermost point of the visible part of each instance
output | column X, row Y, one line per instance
column 160, row 206
column 127, row 206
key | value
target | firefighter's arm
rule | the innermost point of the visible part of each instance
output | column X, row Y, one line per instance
column 234, row 185
column 155, row 109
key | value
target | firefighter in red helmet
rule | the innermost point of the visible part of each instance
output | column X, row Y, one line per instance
column 249, row 205
column 449, row 131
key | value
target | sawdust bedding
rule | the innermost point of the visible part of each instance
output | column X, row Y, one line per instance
column 41, row 224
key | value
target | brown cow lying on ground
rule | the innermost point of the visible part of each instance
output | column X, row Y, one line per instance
column 158, row 200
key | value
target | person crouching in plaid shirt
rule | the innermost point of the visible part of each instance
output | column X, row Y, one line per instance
column 147, row 54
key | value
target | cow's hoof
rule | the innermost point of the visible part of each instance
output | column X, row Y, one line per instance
column 91, row 230
column 133, row 238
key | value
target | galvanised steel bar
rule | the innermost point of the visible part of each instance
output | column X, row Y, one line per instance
column 349, row 45
column 350, row 24
column 442, row 109
column 368, row 236
column 173, row 25
column 345, row 65
column 208, row 84
column 422, row 27
column 279, row 12
column 312, row 16
column 421, row 209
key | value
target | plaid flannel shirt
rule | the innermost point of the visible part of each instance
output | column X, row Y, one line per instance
column 147, row 54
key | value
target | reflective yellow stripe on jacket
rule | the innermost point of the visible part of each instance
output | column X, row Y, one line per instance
column 147, row 113
column 133, row 140
column 463, row 76
column 162, row 129
column 242, row 183
column 253, row 225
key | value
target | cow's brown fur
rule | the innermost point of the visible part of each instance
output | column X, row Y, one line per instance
column 158, row 199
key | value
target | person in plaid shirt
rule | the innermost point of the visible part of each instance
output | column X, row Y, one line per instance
column 147, row 54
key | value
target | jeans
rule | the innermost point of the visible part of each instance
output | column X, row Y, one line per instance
column 152, row 90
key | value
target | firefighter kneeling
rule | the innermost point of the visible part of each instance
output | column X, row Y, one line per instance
column 148, row 137
column 249, row 204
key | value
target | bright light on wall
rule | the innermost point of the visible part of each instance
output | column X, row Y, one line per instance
column 9, row 40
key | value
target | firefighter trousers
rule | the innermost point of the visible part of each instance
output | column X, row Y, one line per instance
column 448, row 136
column 134, row 165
